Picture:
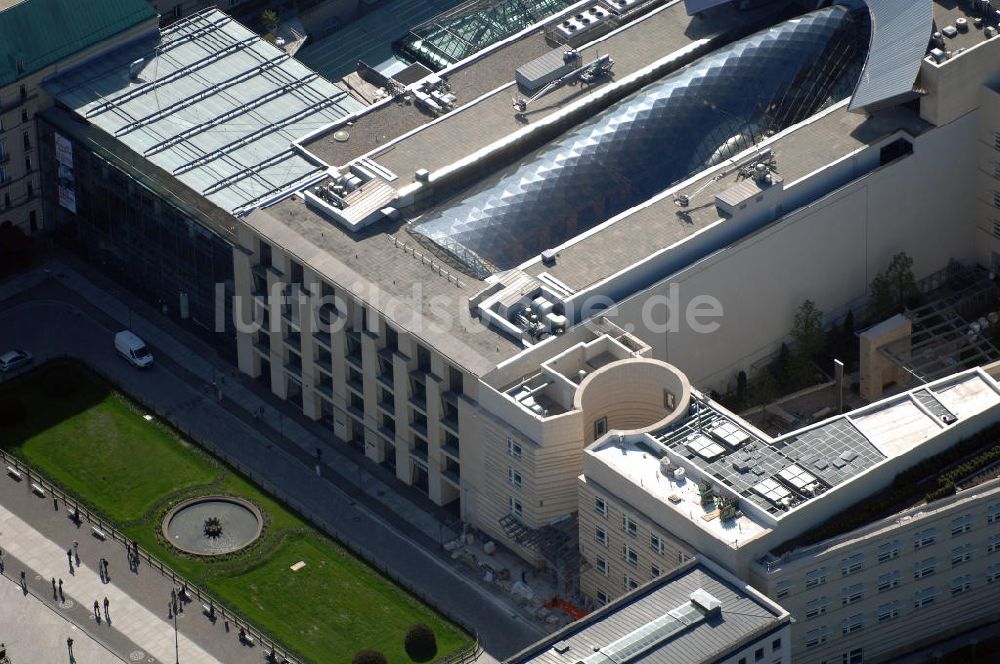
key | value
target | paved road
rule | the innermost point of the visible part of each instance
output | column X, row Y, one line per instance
column 390, row 528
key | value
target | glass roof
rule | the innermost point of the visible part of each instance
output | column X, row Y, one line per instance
column 471, row 27
column 706, row 113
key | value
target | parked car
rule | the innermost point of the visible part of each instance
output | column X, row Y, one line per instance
column 15, row 359
column 133, row 349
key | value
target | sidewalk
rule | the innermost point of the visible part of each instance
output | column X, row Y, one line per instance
column 349, row 500
column 35, row 539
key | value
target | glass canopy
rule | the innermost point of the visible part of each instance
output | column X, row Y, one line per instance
column 671, row 129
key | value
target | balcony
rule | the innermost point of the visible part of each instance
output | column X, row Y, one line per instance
column 263, row 345
column 419, row 427
column 356, row 383
column 420, row 452
column 353, row 354
column 294, row 371
column 325, row 339
column 388, row 404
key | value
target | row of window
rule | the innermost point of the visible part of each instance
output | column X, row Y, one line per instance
column 890, row 610
column 921, row 540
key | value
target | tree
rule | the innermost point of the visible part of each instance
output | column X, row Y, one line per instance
column 900, row 274
column 270, row 19
column 807, row 331
column 741, row 388
column 369, row 657
column 763, row 389
column 420, row 643
column 892, row 289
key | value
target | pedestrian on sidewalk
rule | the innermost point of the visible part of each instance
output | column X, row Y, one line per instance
column 106, row 613
column 54, row 595
column 24, row 584
column 97, row 611
column 69, row 557
column 62, row 598
column 55, row 504
column 76, row 552
column 107, row 575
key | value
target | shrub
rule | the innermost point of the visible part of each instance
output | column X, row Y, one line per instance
column 420, row 643
column 369, row 657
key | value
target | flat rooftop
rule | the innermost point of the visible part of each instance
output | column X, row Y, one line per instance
column 484, row 87
column 675, row 627
column 776, row 475
column 387, row 270
column 947, row 12
column 658, row 224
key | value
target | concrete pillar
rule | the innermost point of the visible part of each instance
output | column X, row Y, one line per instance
column 876, row 369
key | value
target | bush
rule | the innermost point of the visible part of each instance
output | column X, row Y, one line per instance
column 12, row 412
column 420, row 643
column 369, row 657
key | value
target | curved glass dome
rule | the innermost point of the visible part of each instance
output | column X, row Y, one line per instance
column 669, row 130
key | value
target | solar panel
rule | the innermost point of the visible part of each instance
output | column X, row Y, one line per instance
column 729, row 433
column 799, row 478
column 773, row 491
column 705, row 447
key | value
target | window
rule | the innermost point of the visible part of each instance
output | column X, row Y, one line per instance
column 782, row 588
column 996, row 198
column 602, row 566
column 654, row 571
column 853, row 564
column 924, row 538
column 629, row 583
column 601, row 536
column 27, row 163
column 961, row 584
column 601, row 425
column 887, row 611
column 514, row 478
column 817, row 577
column 962, row 524
column 924, row 568
column 888, row 551
column 856, row 656
column 993, row 544
column 669, row 400
column 996, row 228
column 601, row 506
column 855, row 623
column 815, row 637
column 888, row 581
column 655, row 543
column 24, row 115
column 961, row 554
column 816, row 607
column 992, row 573
column 758, row 654
column 26, row 140
column 629, row 555
column 602, row 598
column 629, row 525
column 852, row 594
column 993, row 513
column 513, row 448
column 515, row 506
column 924, row 597
column 775, row 645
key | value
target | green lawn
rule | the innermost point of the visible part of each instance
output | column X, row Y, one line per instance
column 96, row 444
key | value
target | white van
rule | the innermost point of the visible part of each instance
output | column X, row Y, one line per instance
column 133, row 349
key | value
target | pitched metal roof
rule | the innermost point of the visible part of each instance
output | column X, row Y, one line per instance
column 743, row 618
column 37, row 33
column 899, row 36
column 213, row 104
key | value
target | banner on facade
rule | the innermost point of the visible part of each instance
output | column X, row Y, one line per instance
column 67, row 183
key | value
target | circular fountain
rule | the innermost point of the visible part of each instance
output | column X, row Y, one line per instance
column 212, row 525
